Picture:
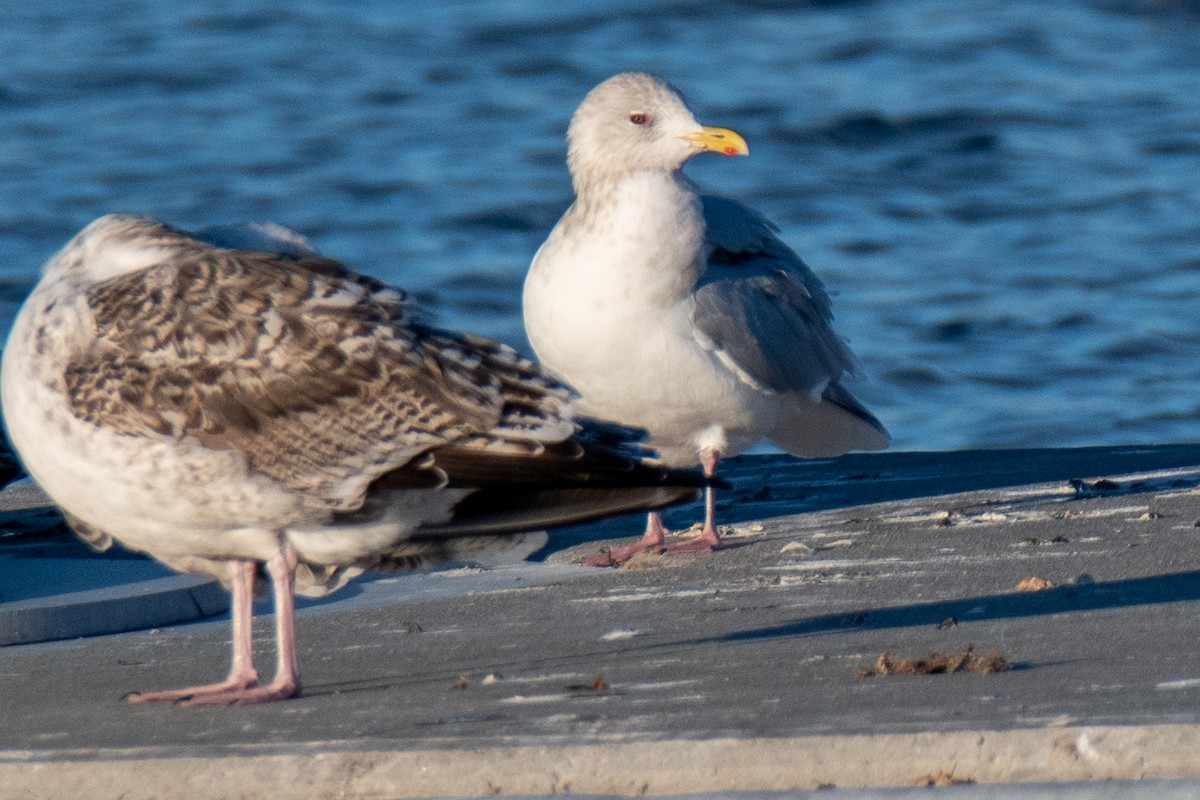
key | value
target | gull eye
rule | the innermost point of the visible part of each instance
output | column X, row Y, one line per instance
column 638, row 118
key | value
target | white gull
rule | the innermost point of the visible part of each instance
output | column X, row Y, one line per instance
column 683, row 313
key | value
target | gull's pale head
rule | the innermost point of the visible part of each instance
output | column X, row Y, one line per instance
column 635, row 122
column 116, row 244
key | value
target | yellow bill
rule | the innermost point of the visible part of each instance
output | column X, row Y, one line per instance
column 719, row 140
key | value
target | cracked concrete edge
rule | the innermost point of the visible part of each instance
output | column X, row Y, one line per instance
column 368, row 769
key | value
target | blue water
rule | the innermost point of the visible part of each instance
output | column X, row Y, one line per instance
column 1004, row 197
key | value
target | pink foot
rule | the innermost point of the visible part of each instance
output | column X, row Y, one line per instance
column 241, row 687
column 615, row 558
column 652, row 541
column 242, row 674
column 708, row 541
column 189, row 694
column 704, row 543
column 247, row 696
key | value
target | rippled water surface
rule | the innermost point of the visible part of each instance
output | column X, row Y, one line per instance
column 1004, row 197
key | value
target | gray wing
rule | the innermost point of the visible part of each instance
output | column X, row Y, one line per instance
column 319, row 376
column 763, row 309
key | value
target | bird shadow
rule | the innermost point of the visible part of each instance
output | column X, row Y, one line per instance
column 1095, row 596
column 774, row 485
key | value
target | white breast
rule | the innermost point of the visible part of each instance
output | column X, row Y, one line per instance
column 608, row 306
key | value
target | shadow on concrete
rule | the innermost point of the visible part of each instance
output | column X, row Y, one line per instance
column 1153, row 590
column 766, row 486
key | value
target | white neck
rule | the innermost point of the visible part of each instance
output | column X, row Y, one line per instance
column 646, row 228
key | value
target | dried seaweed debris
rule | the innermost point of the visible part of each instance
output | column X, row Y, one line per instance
column 964, row 660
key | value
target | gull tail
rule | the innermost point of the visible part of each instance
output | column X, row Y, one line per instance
column 502, row 510
column 601, row 472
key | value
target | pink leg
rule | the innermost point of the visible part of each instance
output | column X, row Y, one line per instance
column 282, row 568
column 651, row 542
column 708, row 540
column 241, row 671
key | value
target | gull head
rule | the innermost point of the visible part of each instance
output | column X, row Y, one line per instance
column 116, row 244
column 635, row 122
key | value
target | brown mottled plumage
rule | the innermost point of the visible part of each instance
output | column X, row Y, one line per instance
column 319, row 375
column 221, row 408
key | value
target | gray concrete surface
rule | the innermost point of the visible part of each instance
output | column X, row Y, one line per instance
column 729, row 673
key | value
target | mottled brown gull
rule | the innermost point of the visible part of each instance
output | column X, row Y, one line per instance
column 227, row 409
column 683, row 313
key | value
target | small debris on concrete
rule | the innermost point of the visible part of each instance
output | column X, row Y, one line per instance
column 940, row 779
column 1034, row 584
column 461, row 684
column 644, row 561
column 838, row 543
column 618, row 634
column 598, row 684
column 964, row 660
column 747, row 531
column 1033, row 541
column 948, row 622
column 604, row 559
